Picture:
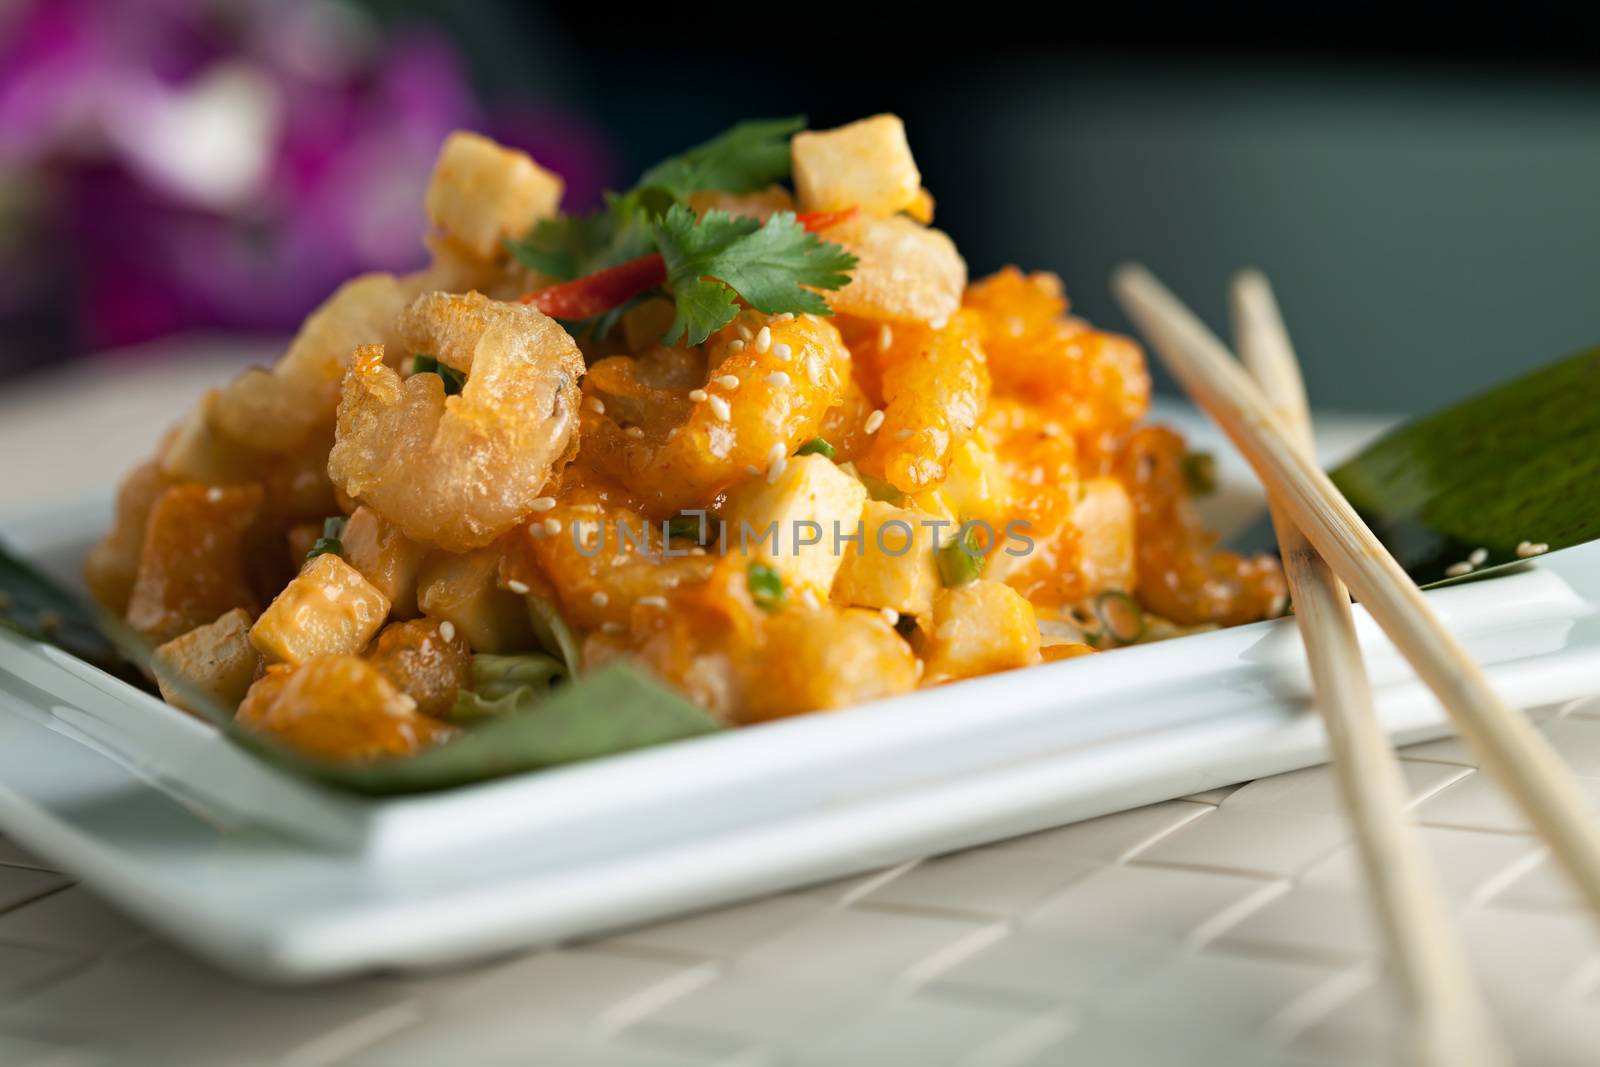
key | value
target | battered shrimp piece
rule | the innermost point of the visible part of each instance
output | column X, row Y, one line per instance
column 1181, row 574
column 935, row 384
column 679, row 444
column 600, row 556
column 273, row 411
column 1090, row 379
column 457, row 472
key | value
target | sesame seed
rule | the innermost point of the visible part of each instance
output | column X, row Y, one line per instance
column 696, row 550
column 214, row 494
column 585, row 509
column 727, row 381
column 781, row 351
column 885, row 336
column 775, row 471
column 874, row 421
column 810, row 599
column 543, row 503
column 744, row 332
column 653, row 601
column 698, row 395
column 517, row 587
column 784, row 316
column 814, row 369
column 736, row 345
column 938, row 324
column 1531, row 548
column 634, row 432
column 599, row 599
column 1456, row 570
column 890, row 616
column 447, row 630
column 775, row 453
column 764, row 340
column 596, row 405
column 751, row 469
column 778, row 378
column 902, row 434
column 921, row 667
column 1478, row 556
column 612, row 628
column 552, row 526
column 720, row 408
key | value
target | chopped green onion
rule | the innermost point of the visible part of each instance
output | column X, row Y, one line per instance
column 766, row 587
column 330, row 541
column 454, row 380
column 1121, row 616
column 689, row 526
column 817, row 446
column 961, row 561
column 878, row 489
column 1200, row 473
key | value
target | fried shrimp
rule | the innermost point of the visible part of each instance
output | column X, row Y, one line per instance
column 275, row 410
column 935, row 384
column 676, row 442
column 457, row 472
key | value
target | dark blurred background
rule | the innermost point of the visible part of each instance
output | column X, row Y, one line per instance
column 1421, row 186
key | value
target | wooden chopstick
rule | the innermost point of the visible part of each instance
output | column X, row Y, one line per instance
column 1447, row 1022
column 1507, row 746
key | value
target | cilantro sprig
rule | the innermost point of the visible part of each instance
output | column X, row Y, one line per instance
column 710, row 262
column 714, row 260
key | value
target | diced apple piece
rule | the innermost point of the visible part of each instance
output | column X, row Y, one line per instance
column 906, row 273
column 790, row 524
column 976, row 486
column 481, row 193
column 328, row 609
column 828, row 658
column 113, row 563
column 338, row 708
column 1104, row 518
column 217, row 660
column 422, row 663
column 894, row 566
column 465, row 591
column 865, row 165
column 979, row 628
column 385, row 557
column 192, row 562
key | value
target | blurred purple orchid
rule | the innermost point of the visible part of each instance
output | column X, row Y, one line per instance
column 185, row 165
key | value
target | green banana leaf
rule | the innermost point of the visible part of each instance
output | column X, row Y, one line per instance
column 1517, row 464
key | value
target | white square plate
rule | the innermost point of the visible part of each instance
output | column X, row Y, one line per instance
column 281, row 879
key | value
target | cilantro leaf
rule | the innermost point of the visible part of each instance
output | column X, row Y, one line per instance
column 712, row 259
column 744, row 158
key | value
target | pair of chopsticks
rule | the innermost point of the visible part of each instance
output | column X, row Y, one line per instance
column 1323, row 541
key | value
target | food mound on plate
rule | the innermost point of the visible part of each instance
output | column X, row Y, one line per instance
column 749, row 426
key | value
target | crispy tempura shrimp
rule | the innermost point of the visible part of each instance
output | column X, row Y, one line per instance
column 934, row 385
column 275, row 410
column 1091, row 379
column 601, row 558
column 457, row 472
column 676, row 442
